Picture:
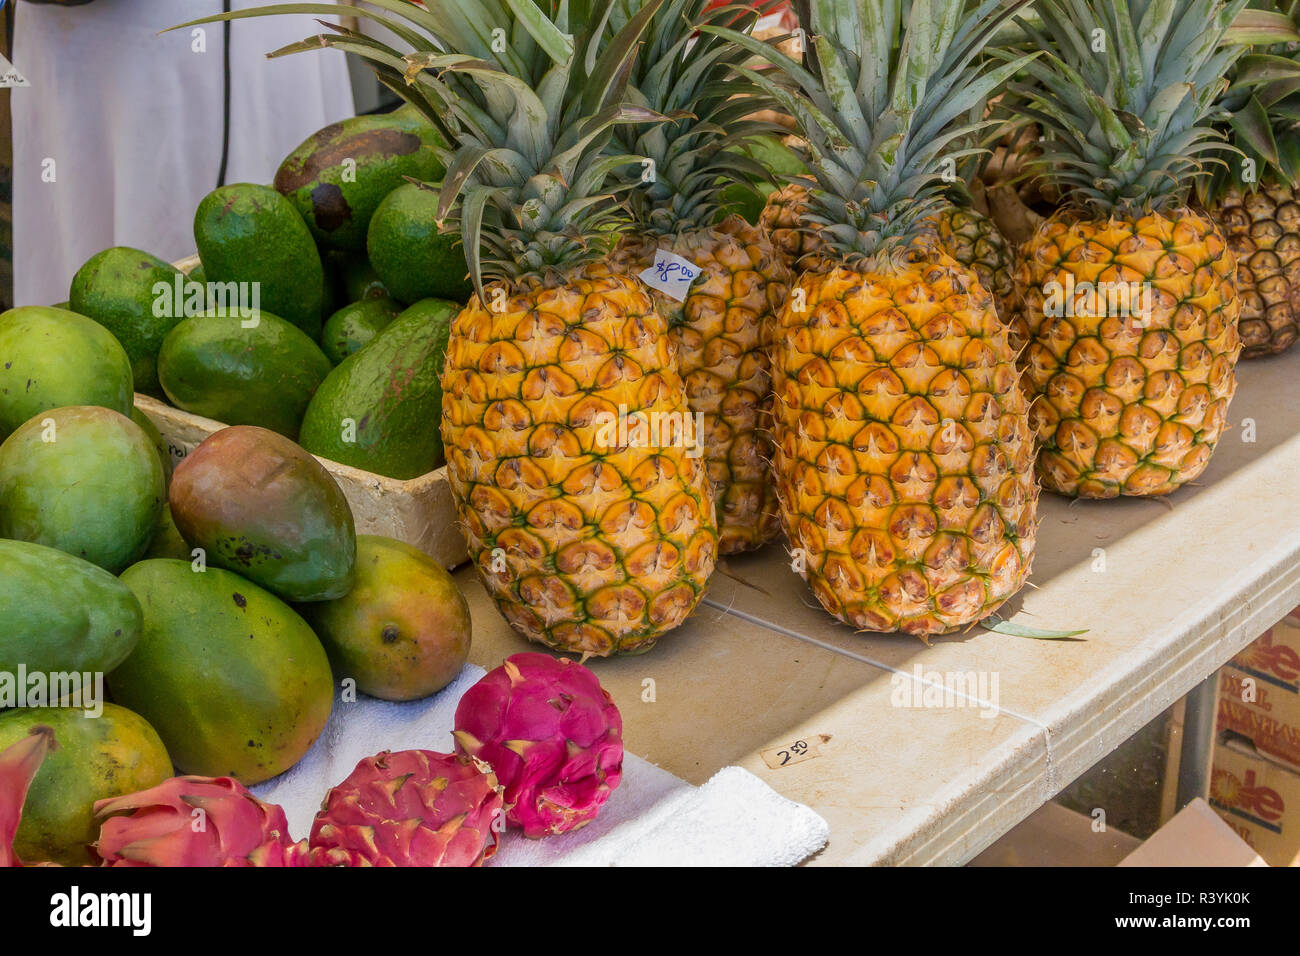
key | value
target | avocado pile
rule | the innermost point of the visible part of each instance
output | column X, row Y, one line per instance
column 321, row 305
column 221, row 604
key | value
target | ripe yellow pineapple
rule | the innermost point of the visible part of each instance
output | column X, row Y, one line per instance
column 783, row 220
column 564, row 418
column 964, row 232
column 1253, row 190
column 718, row 328
column 1127, row 294
column 1263, row 231
column 904, row 457
column 586, row 512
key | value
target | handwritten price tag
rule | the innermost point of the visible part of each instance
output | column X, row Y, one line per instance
column 671, row 274
column 797, row 751
column 9, row 76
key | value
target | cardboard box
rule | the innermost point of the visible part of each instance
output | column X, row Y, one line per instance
column 1260, row 799
column 1194, row 837
column 1054, row 835
column 1259, row 692
column 419, row 511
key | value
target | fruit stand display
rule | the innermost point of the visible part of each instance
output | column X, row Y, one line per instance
column 654, row 341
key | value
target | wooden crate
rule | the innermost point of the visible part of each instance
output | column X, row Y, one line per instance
column 419, row 511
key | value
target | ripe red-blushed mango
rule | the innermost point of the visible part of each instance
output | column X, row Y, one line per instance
column 261, row 506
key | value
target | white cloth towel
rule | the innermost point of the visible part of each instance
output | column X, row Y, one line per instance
column 653, row 818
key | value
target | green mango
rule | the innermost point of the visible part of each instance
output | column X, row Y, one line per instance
column 51, row 357
column 85, row 480
column 211, row 365
column 412, row 258
column 352, row 327
column 119, row 289
column 236, row 682
column 261, row 506
column 251, row 234
column 337, row 177
column 403, row 631
column 61, row 614
column 378, row 410
column 93, row 758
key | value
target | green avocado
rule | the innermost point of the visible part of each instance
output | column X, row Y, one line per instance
column 131, row 293
column 211, row 365
column 50, row 358
column 252, row 236
column 379, row 410
column 337, row 177
column 352, row 327
column 360, row 280
column 412, row 258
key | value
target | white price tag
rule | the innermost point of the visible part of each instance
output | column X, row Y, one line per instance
column 671, row 274
column 9, row 76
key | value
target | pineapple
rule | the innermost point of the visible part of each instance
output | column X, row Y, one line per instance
column 564, row 416
column 717, row 329
column 783, row 220
column 1262, row 226
column 903, row 453
column 965, row 233
column 1254, row 192
column 1126, row 292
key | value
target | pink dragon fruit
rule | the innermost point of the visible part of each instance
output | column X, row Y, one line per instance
column 410, row 808
column 162, row 826
column 553, row 736
column 18, row 765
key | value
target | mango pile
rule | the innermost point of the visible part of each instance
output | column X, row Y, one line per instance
column 210, row 612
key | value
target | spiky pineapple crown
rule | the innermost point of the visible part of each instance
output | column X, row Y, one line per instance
column 1261, row 106
column 884, row 105
column 530, row 97
column 1125, row 96
column 691, row 78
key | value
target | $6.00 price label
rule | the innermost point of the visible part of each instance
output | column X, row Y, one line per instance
column 796, row 751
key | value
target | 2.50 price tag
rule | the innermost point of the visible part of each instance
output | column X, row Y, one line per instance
column 796, row 751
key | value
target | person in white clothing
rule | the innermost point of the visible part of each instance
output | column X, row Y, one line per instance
column 120, row 133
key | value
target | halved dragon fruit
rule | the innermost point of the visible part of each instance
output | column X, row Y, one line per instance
column 552, row 735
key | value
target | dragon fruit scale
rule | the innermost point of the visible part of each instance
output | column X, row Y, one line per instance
column 410, row 808
column 553, row 736
column 195, row 821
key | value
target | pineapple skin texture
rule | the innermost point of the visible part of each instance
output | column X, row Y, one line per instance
column 585, row 547
column 781, row 219
column 973, row 240
column 904, row 456
column 718, row 334
column 1122, row 405
column 1263, row 232
column 968, row 236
